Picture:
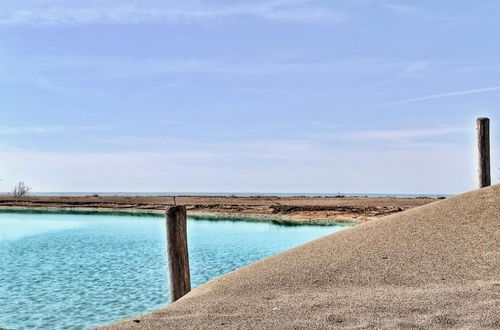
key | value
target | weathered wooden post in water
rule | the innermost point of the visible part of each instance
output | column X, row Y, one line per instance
column 483, row 141
column 178, row 259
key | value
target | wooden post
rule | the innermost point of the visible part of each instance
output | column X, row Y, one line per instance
column 178, row 259
column 483, row 141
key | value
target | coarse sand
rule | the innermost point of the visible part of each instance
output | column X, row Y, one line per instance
column 435, row 266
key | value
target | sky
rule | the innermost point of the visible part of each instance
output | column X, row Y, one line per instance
column 247, row 96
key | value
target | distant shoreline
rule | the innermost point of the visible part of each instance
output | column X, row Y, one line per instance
column 286, row 210
column 280, row 220
column 230, row 194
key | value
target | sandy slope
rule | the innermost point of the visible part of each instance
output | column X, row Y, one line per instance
column 436, row 266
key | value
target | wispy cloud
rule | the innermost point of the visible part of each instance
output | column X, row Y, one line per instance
column 406, row 70
column 443, row 95
column 240, row 148
column 402, row 133
column 415, row 68
column 392, row 134
column 59, row 74
column 58, row 12
column 37, row 130
column 130, row 67
column 329, row 170
column 400, row 9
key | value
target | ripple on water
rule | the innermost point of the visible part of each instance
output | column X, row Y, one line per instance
column 80, row 271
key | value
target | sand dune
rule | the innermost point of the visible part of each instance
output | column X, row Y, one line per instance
column 435, row 266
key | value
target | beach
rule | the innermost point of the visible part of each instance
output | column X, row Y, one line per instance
column 432, row 267
column 340, row 208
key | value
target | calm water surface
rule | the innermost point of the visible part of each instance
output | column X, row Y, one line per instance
column 79, row 271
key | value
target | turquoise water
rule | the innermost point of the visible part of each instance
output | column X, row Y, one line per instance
column 79, row 271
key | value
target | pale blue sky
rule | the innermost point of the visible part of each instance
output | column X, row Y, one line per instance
column 259, row 96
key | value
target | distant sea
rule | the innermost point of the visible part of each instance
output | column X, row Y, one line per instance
column 236, row 194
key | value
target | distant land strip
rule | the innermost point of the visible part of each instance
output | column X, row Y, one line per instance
column 267, row 208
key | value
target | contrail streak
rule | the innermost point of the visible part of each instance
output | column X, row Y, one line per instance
column 439, row 96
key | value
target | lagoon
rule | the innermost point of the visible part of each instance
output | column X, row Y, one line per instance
column 74, row 271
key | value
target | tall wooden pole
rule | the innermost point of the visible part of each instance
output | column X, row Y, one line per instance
column 178, row 259
column 483, row 141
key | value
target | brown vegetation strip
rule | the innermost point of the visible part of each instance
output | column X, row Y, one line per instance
column 330, row 208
